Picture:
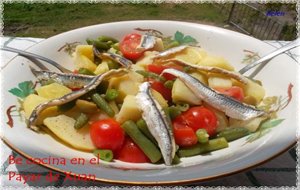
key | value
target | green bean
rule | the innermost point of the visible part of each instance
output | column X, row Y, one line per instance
column 186, row 69
column 176, row 160
column 173, row 111
column 89, row 41
column 85, row 71
column 148, row 74
column 149, row 148
column 112, row 65
column 211, row 145
column 106, row 155
column 202, row 136
column 81, row 120
column 101, row 45
column 169, row 84
column 67, row 106
column 116, row 46
column 111, row 94
column 172, row 44
column 183, row 107
column 102, row 104
column 233, row 133
column 107, row 39
column 142, row 125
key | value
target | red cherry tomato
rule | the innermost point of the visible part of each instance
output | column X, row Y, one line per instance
column 160, row 87
column 234, row 92
column 201, row 117
column 184, row 135
column 158, row 69
column 130, row 152
column 128, row 46
column 107, row 134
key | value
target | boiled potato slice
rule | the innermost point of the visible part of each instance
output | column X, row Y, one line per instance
column 129, row 110
column 254, row 90
column 215, row 61
column 159, row 98
column 191, row 55
column 219, row 82
column 32, row 101
column 86, row 50
column 146, row 59
column 86, row 106
column 251, row 124
column 182, row 94
column 53, row 91
column 82, row 61
column 125, row 85
column 63, row 127
column 101, row 68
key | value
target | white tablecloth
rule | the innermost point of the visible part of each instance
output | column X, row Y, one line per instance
column 278, row 172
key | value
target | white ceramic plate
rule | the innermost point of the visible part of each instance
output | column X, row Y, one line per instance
column 276, row 77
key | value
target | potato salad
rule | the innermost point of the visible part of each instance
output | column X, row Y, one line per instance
column 147, row 98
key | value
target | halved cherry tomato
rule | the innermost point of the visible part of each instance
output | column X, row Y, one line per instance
column 234, row 92
column 184, row 135
column 130, row 152
column 158, row 69
column 160, row 87
column 128, row 46
column 107, row 134
column 200, row 117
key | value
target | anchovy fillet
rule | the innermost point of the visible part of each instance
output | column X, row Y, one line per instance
column 70, row 80
column 230, row 106
column 72, row 96
column 115, row 57
column 171, row 51
column 231, row 74
column 157, row 122
column 118, row 58
column 147, row 42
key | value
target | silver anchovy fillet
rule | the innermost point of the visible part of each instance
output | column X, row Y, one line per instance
column 147, row 42
column 228, row 105
column 73, row 95
column 171, row 51
column 70, row 80
column 115, row 57
column 118, row 58
column 157, row 122
column 231, row 74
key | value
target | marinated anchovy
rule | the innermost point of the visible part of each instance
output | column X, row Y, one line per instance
column 72, row 96
column 115, row 57
column 147, row 42
column 70, row 80
column 231, row 74
column 171, row 51
column 228, row 105
column 157, row 122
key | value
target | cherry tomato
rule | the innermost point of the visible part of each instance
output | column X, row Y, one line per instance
column 158, row 69
column 160, row 87
column 130, row 152
column 184, row 135
column 201, row 117
column 234, row 92
column 107, row 134
column 128, row 46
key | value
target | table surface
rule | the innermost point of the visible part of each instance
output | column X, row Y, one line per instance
column 279, row 172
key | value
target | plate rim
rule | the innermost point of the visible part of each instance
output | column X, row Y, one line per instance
column 147, row 183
